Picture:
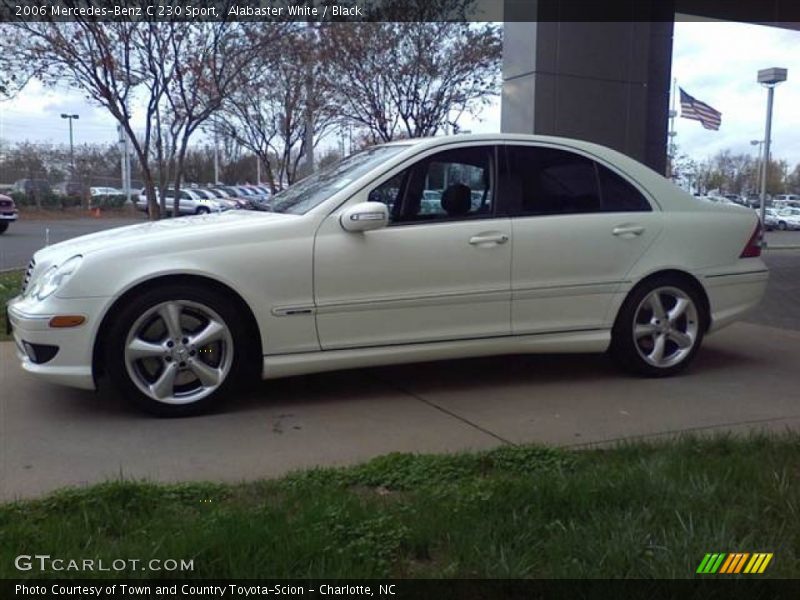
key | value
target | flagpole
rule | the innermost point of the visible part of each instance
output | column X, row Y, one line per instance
column 671, row 134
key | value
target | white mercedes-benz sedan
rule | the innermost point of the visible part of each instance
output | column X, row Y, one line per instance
column 535, row 244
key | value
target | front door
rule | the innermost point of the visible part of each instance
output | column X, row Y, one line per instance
column 441, row 269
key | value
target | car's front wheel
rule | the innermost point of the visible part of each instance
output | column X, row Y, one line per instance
column 659, row 328
column 177, row 350
column 202, row 210
column 3, row 226
column 782, row 225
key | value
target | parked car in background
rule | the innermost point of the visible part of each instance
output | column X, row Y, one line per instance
column 229, row 203
column 586, row 250
column 735, row 198
column 787, row 199
column 258, row 191
column 771, row 218
column 105, row 191
column 8, row 212
column 753, row 200
column 191, row 203
column 788, row 219
column 231, row 193
column 431, row 201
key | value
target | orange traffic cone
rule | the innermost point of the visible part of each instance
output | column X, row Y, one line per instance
column 96, row 213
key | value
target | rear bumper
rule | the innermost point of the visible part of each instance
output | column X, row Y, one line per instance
column 733, row 295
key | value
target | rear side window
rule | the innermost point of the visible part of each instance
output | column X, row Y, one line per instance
column 553, row 182
column 618, row 194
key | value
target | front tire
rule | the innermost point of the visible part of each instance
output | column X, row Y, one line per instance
column 3, row 226
column 202, row 210
column 177, row 350
column 782, row 226
column 659, row 328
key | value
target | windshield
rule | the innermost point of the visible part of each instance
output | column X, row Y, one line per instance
column 315, row 189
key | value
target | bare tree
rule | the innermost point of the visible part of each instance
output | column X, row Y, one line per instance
column 203, row 64
column 179, row 72
column 412, row 79
column 269, row 116
column 106, row 61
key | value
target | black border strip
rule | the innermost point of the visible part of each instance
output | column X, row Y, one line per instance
column 785, row 13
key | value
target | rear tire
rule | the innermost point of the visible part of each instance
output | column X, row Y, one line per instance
column 202, row 210
column 782, row 226
column 659, row 328
column 177, row 350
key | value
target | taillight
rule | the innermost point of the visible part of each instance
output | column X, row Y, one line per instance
column 753, row 247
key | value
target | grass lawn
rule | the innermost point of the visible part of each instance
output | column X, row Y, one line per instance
column 636, row 510
column 10, row 284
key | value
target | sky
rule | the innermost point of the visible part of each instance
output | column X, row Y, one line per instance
column 716, row 62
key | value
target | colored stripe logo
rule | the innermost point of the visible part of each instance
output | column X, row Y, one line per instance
column 733, row 563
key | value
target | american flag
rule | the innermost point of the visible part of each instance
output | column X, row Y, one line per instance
column 692, row 108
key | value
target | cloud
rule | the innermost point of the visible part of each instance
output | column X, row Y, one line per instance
column 35, row 114
column 717, row 63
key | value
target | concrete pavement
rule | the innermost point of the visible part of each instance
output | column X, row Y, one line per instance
column 745, row 378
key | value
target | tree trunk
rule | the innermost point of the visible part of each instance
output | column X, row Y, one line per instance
column 270, row 176
column 179, row 174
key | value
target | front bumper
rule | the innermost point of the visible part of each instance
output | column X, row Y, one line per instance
column 8, row 216
column 72, row 363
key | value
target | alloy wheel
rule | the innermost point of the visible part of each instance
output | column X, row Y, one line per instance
column 666, row 327
column 178, row 352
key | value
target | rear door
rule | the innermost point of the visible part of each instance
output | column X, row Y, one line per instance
column 578, row 229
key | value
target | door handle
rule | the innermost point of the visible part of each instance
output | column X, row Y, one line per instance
column 628, row 230
column 479, row 240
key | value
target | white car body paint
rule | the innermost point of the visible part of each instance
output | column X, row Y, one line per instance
column 325, row 298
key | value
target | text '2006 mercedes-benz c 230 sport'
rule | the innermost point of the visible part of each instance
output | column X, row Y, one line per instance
column 410, row 251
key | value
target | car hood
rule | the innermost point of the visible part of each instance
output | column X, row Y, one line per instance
column 173, row 231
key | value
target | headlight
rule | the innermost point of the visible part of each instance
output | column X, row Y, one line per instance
column 54, row 278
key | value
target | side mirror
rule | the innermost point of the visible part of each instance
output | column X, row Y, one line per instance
column 365, row 216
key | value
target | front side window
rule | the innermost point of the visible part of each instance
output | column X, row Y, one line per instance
column 450, row 185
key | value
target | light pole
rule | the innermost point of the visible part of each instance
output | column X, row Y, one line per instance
column 769, row 78
column 71, row 144
column 760, row 144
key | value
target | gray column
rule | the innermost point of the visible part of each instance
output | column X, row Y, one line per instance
column 602, row 82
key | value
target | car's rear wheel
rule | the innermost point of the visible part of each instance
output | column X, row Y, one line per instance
column 659, row 328
column 202, row 210
column 177, row 350
column 782, row 225
column 3, row 226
